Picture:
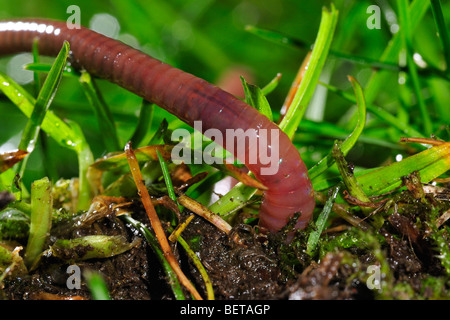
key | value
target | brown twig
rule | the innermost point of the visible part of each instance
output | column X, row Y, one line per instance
column 155, row 222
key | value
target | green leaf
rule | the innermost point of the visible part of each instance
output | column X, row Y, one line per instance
column 255, row 98
column 90, row 247
column 295, row 113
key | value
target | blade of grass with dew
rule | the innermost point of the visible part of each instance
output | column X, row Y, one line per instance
column 314, row 236
column 85, row 159
column 295, row 113
column 41, row 221
column 173, row 280
column 350, row 141
column 144, row 124
column 101, row 110
column 43, row 101
column 97, row 285
column 52, row 124
column 255, row 98
column 406, row 32
column 442, row 31
column 69, row 71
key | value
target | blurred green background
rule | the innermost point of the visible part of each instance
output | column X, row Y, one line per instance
column 208, row 38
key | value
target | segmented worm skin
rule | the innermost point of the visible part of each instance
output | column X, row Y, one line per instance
column 182, row 94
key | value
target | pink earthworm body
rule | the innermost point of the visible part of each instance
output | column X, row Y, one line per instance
column 184, row 95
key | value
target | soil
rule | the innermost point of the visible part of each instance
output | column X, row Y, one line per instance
column 258, row 266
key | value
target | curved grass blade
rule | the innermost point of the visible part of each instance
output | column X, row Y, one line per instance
column 268, row 88
column 319, row 55
column 350, row 141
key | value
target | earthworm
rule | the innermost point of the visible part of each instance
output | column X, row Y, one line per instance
column 187, row 97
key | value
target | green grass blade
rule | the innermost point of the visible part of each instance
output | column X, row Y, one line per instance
column 350, row 141
column 268, row 88
column 442, row 31
column 430, row 163
column 407, row 40
column 140, row 134
column 319, row 55
column 103, row 114
column 44, row 100
column 236, row 198
column 85, row 159
column 69, row 71
column 41, row 221
column 314, row 236
column 167, row 178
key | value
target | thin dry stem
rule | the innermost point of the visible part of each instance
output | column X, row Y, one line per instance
column 156, row 223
